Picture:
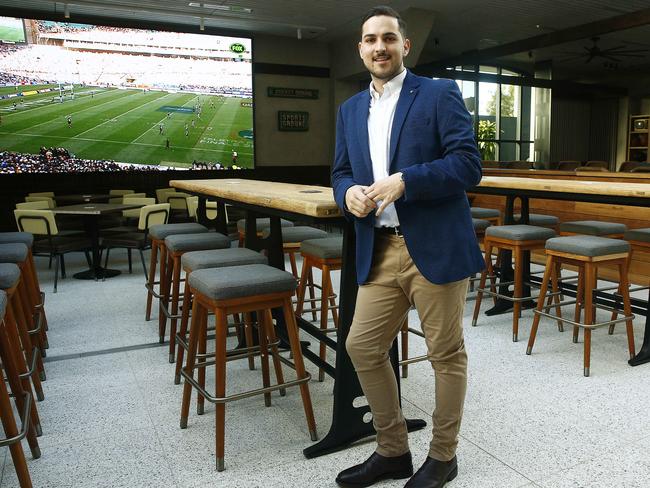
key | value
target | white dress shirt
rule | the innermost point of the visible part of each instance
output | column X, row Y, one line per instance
column 380, row 123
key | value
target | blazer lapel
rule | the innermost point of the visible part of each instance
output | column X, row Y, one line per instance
column 362, row 126
column 406, row 97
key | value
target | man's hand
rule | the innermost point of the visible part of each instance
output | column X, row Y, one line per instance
column 357, row 202
column 385, row 191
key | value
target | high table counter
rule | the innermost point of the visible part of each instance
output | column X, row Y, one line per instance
column 623, row 193
column 313, row 204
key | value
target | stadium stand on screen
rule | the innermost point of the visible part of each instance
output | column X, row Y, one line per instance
column 98, row 98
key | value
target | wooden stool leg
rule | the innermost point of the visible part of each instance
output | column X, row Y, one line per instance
column 540, row 303
column 292, row 261
column 590, row 284
column 248, row 333
column 202, row 348
column 220, row 379
column 294, row 341
column 627, row 308
column 185, row 318
column 335, row 313
column 197, row 312
column 579, row 301
column 16, row 449
column 312, row 293
column 165, row 287
column 620, row 288
column 557, row 271
column 481, row 285
column 151, row 278
column 518, row 291
column 16, row 315
column 404, row 340
column 277, row 364
column 176, row 285
column 324, row 305
column 302, row 285
column 264, row 354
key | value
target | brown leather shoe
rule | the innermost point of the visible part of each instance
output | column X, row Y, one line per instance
column 434, row 474
column 376, row 468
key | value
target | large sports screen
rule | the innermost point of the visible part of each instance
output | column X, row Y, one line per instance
column 79, row 97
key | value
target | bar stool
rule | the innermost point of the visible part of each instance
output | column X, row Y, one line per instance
column 175, row 246
column 12, row 436
column 261, row 225
column 28, row 313
column 480, row 225
column 587, row 253
column 253, row 287
column 541, row 220
column 216, row 258
column 515, row 238
column 490, row 214
column 34, row 287
column 15, row 344
column 291, row 239
column 325, row 254
column 593, row 228
column 157, row 234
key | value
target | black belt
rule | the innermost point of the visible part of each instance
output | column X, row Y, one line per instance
column 396, row 231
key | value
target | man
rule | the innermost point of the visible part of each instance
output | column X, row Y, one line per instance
column 167, row 143
column 234, row 157
column 161, row 128
column 69, row 118
column 405, row 155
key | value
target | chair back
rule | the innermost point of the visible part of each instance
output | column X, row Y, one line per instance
column 49, row 200
column 116, row 195
column 628, row 166
column 134, row 213
column 161, row 194
column 37, row 222
column 39, row 205
column 153, row 215
column 597, row 164
column 178, row 200
column 518, row 165
column 592, row 169
column 192, row 206
column 41, row 194
column 128, row 196
column 568, row 165
column 211, row 210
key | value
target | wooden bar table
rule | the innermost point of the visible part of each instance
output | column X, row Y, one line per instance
column 91, row 214
column 310, row 204
column 523, row 189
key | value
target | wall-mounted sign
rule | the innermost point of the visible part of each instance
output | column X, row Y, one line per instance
column 308, row 93
column 293, row 121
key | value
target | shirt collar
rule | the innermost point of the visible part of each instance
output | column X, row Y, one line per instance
column 390, row 87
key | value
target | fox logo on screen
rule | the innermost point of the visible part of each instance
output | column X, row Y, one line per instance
column 237, row 48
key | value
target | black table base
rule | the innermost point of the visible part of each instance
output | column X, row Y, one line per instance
column 98, row 273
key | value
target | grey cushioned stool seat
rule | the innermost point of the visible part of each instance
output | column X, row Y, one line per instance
column 588, row 245
column 219, row 258
column 22, row 237
column 16, row 252
column 484, row 213
column 196, row 242
column 593, row 227
column 326, row 248
column 642, row 235
column 263, row 223
column 480, row 224
column 298, row 233
column 520, row 232
column 161, row 231
column 241, row 281
column 540, row 219
column 3, row 304
column 9, row 275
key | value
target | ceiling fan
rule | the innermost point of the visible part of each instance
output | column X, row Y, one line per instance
column 609, row 54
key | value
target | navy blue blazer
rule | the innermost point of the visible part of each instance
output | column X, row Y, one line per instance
column 432, row 144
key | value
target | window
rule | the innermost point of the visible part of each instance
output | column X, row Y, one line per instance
column 503, row 115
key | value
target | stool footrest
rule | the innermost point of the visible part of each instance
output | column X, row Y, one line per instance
column 36, row 352
column 238, row 396
column 25, row 423
column 416, row 359
column 586, row 326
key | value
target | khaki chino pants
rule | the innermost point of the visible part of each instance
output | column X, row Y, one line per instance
column 383, row 302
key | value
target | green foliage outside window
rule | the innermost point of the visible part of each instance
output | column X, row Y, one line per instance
column 487, row 130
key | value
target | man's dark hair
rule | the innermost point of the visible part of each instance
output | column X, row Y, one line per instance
column 387, row 11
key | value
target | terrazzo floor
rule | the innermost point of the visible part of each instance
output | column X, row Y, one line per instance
column 111, row 413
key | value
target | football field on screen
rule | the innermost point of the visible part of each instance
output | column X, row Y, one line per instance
column 124, row 125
